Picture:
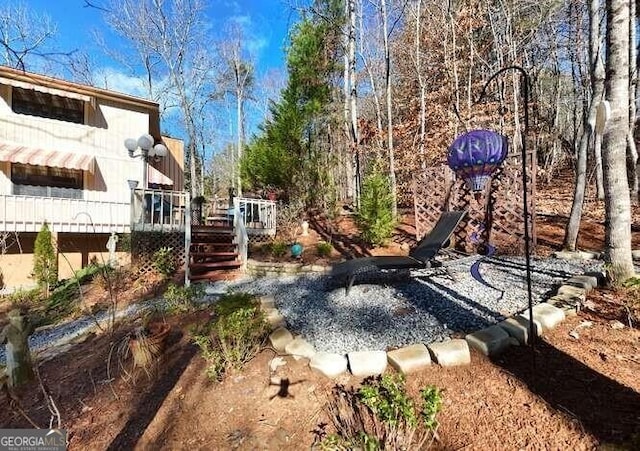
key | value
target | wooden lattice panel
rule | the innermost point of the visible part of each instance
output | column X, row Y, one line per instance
column 493, row 216
column 432, row 192
column 507, row 226
column 145, row 244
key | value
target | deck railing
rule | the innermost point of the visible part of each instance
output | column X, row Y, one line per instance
column 258, row 215
column 158, row 210
column 20, row 213
column 241, row 239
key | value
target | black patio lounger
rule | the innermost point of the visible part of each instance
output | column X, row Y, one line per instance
column 422, row 256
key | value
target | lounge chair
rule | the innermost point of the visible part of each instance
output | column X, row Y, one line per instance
column 420, row 257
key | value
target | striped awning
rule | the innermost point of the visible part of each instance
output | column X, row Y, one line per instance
column 15, row 153
column 156, row 177
column 45, row 89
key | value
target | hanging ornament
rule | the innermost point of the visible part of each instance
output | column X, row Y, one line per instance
column 474, row 156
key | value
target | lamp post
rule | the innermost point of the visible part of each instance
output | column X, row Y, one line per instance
column 145, row 144
column 525, row 206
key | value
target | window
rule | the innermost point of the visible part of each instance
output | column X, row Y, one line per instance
column 35, row 103
column 45, row 181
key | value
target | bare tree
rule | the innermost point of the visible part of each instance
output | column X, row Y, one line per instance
column 27, row 40
column 237, row 78
column 588, row 124
column 170, row 40
column 387, row 78
column 617, row 200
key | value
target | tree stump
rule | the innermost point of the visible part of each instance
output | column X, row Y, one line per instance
column 16, row 336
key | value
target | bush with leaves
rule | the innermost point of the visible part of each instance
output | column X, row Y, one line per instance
column 380, row 415
column 235, row 335
column 164, row 261
column 181, row 299
column 45, row 260
column 375, row 215
column 324, row 249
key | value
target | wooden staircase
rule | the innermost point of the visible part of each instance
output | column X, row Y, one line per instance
column 213, row 252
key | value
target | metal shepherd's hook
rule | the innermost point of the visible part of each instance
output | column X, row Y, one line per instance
column 527, row 221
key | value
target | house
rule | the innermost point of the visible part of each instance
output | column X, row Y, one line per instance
column 63, row 161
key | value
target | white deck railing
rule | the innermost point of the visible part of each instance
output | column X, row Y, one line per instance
column 259, row 215
column 241, row 239
column 159, row 210
column 27, row 214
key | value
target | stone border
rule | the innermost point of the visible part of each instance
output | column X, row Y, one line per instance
column 275, row 269
column 493, row 340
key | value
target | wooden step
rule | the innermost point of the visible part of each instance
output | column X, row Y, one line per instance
column 226, row 274
column 211, row 230
column 215, row 265
column 213, row 254
column 204, row 248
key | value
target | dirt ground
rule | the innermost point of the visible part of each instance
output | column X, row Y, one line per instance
column 576, row 391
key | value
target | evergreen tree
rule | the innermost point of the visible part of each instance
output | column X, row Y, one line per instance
column 45, row 264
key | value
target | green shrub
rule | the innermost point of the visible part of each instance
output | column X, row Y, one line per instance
column 164, row 261
column 182, row 299
column 45, row 261
column 324, row 249
column 235, row 335
column 375, row 215
column 380, row 415
column 278, row 248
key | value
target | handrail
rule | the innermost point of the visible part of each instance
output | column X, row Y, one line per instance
column 187, row 239
column 258, row 213
column 153, row 209
column 242, row 240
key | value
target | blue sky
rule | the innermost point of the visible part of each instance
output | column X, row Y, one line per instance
column 265, row 23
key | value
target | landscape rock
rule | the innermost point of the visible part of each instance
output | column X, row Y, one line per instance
column 409, row 359
column 519, row 328
column 300, row 348
column 280, row 338
column 570, row 304
column 274, row 318
column 328, row 364
column 490, row 341
column 573, row 291
column 584, row 281
column 546, row 314
column 450, row 353
column 267, row 302
column 367, row 363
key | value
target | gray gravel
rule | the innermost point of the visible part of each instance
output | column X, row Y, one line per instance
column 429, row 306
column 426, row 307
column 50, row 336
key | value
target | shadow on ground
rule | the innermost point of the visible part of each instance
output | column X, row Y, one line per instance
column 608, row 410
column 149, row 404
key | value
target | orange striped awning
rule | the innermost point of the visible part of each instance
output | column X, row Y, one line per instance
column 16, row 153
column 157, row 178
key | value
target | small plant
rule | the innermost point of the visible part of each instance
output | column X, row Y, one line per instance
column 278, row 248
column 235, row 335
column 375, row 215
column 324, row 249
column 181, row 299
column 288, row 220
column 380, row 415
column 164, row 261
column 45, row 261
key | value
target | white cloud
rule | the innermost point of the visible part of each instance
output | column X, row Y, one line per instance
column 114, row 80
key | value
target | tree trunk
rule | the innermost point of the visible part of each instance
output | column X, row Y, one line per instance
column 588, row 123
column 617, row 201
column 632, row 151
column 16, row 335
column 387, row 59
column 353, row 97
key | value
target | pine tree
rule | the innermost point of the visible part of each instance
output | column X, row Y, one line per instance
column 45, row 264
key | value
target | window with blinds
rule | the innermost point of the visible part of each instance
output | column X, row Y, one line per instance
column 35, row 103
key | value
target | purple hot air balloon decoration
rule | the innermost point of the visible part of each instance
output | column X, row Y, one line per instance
column 475, row 155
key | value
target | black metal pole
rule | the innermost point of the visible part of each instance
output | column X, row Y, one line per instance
column 527, row 221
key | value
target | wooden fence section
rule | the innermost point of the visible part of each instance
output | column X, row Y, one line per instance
column 495, row 216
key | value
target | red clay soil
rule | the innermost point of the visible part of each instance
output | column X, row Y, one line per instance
column 580, row 391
